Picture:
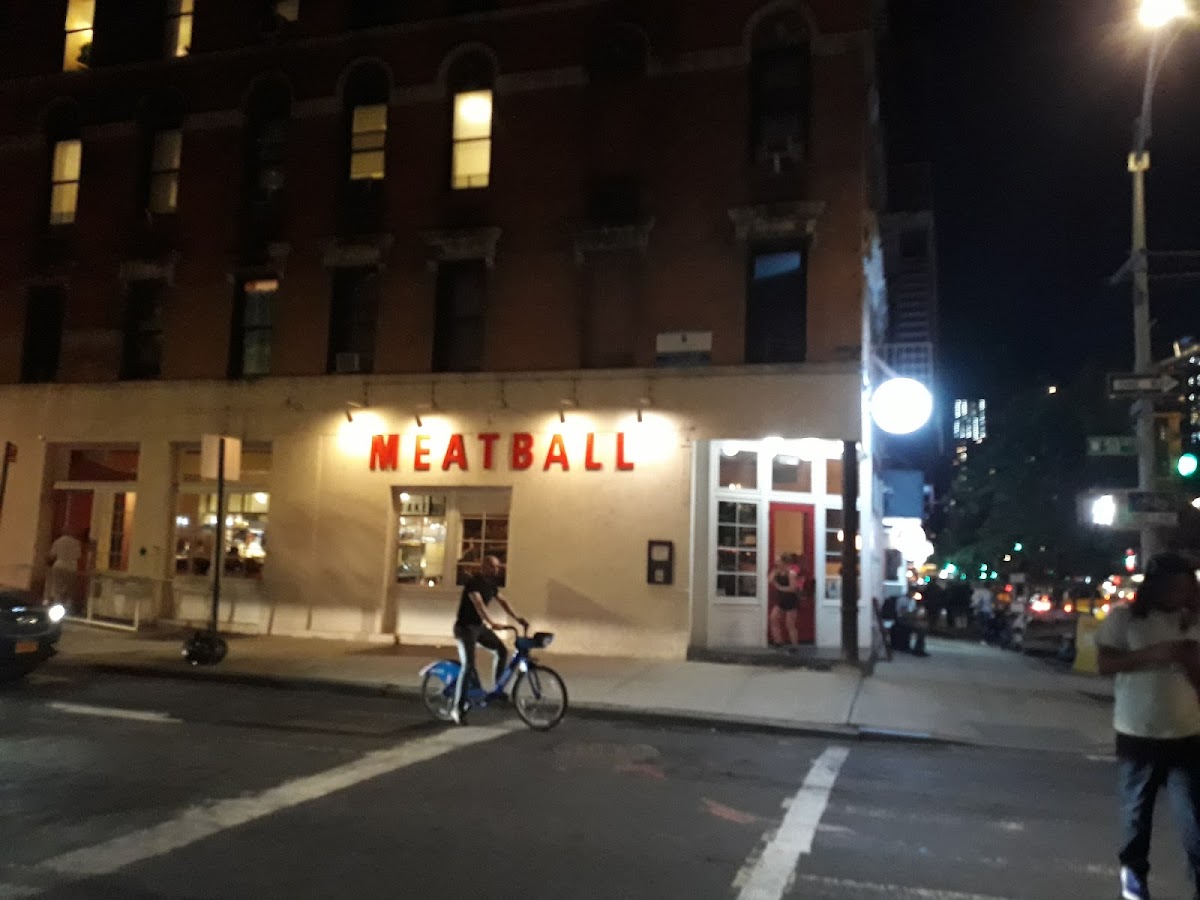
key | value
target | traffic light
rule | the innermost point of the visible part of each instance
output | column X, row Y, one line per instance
column 1187, row 465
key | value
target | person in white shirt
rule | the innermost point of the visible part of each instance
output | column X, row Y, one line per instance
column 64, row 556
column 1151, row 646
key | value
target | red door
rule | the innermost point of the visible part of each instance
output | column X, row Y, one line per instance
column 792, row 532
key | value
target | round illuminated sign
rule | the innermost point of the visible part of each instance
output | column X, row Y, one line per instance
column 901, row 405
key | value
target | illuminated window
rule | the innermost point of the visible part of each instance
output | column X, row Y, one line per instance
column 164, row 171
column 368, row 135
column 245, row 533
column 442, row 538
column 179, row 27
column 64, row 190
column 472, row 163
column 288, row 10
column 77, row 48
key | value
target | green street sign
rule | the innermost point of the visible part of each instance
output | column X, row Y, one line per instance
column 1113, row 445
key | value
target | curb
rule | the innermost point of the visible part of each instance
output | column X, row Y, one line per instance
column 596, row 711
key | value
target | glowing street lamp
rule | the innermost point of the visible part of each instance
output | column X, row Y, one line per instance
column 1155, row 14
column 901, row 405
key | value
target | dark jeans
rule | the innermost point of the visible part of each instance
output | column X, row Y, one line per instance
column 467, row 636
column 1143, row 767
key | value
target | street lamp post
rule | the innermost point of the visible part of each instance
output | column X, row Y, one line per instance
column 1161, row 16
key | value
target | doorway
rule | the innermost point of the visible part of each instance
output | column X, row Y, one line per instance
column 791, row 531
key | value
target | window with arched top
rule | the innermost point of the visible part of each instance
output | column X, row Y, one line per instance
column 63, row 135
column 365, row 107
column 268, row 113
column 162, row 140
column 780, row 92
column 471, row 79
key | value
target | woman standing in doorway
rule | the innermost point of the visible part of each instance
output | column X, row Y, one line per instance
column 1151, row 646
column 785, row 588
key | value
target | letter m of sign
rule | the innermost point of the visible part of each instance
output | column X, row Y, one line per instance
column 385, row 452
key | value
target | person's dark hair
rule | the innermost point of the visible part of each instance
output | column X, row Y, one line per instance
column 1159, row 572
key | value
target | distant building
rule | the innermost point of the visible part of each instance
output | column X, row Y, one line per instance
column 970, row 422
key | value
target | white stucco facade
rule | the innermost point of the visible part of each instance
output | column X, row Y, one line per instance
column 574, row 528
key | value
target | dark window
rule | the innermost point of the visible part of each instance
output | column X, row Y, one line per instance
column 615, row 200
column 44, row 310
column 142, row 356
column 912, row 243
column 458, row 331
column 265, row 173
column 780, row 87
column 352, row 320
column 617, row 54
column 250, row 347
column 776, row 299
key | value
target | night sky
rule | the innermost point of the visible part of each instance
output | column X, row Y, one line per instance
column 1032, row 111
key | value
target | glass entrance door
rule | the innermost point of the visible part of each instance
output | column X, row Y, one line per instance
column 791, row 618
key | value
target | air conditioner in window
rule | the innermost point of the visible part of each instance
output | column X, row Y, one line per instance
column 347, row 363
column 782, row 155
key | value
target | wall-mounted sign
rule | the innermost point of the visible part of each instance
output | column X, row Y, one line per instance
column 520, row 452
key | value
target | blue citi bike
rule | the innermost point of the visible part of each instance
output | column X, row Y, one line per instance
column 538, row 694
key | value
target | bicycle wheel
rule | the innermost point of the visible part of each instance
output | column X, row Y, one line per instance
column 540, row 697
column 438, row 695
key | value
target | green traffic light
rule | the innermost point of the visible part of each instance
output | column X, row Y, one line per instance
column 1187, row 465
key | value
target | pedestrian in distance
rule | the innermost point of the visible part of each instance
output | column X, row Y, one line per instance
column 785, row 587
column 1151, row 646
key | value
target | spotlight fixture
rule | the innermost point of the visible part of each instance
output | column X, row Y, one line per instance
column 352, row 405
column 563, row 405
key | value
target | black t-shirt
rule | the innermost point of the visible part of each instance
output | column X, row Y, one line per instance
column 485, row 588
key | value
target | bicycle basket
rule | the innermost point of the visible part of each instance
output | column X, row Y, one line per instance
column 540, row 639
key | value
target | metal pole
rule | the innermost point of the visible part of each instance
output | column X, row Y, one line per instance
column 1143, row 409
column 850, row 521
column 1139, row 164
column 219, row 542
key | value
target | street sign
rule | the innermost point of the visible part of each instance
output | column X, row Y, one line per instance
column 1131, row 385
column 1113, row 445
column 1128, row 510
column 1153, row 508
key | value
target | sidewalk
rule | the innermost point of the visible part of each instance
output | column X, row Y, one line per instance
column 961, row 693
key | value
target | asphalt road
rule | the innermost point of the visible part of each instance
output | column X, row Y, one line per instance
column 143, row 788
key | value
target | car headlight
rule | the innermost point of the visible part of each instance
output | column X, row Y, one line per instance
column 58, row 612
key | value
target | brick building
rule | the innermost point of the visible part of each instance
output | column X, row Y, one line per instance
column 587, row 284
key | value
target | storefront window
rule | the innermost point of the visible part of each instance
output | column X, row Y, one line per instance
column 245, row 533
column 737, row 549
column 120, row 531
column 482, row 535
column 421, row 540
column 442, row 538
column 739, row 468
column 834, row 535
column 791, row 473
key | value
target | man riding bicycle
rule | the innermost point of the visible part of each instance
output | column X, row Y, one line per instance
column 474, row 626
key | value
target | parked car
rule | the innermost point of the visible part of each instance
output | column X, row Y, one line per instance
column 29, row 631
column 1047, row 625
